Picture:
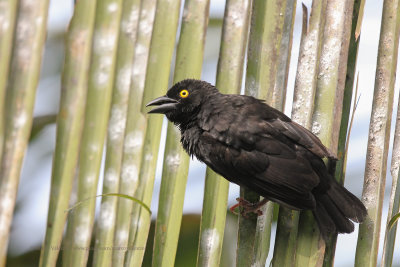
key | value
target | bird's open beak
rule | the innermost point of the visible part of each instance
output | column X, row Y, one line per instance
column 164, row 104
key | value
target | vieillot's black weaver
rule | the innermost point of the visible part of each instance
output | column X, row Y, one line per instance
column 258, row 147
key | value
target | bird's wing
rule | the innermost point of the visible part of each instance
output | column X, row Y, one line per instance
column 261, row 148
column 243, row 117
column 281, row 176
column 301, row 136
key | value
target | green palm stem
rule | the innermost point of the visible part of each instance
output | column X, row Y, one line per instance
column 347, row 99
column 100, row 83
column 263, row 231
column 26, row 58
column 8, row 13
column 134, row 133
column 303, row 99
column 116, row 129
column 390, row 234
column 158, row 68
column 229, row 80
column 394, row 200
column 267, row 66
column 379, row 135
column 189, row 59
column 327, row 113
column 69, row 125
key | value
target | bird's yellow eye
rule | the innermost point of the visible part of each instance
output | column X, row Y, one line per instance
column 184, row 93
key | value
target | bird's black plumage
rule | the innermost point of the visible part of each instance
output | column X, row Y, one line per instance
column 256, row 146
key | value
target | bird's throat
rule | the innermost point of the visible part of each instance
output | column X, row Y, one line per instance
column 190, row 138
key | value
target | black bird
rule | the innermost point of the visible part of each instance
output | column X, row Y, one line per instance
column 258, row 147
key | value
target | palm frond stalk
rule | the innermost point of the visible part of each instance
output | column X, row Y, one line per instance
column 229, row 80
column 340, row 171
column 26, row 58
column 160, row 55
column 310, row 49
column 189, row 59
column 116, row 130
column 327, row 113
column 8, row 13
column 266, row 78
column 134, row 132
column 394, row 200
column 69, row 125
column 379, row 135
column 101, row 76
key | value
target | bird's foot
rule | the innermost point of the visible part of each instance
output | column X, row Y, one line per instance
column 248, row 207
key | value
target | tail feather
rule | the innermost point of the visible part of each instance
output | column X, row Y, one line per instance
column 342, row 223
column 339, row 207
column 349, row 204
column 325, row 223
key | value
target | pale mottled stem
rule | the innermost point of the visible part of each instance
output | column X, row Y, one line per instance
column 156, row 83
column 189, row 59
column 394, row 200
column 344, row 124
column 282, row 36
column 101, row 76
column 134, row 132
column 229, row 80
column 116, row 129
column 379, row 135
column 327, row 113
column 69, row 125
column 8, row 13
column 267, row 67
column 27, row 50
column 286, row 233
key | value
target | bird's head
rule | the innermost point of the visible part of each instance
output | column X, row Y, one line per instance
column 183, row 100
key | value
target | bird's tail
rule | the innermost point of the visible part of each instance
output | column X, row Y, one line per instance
column 336, row 208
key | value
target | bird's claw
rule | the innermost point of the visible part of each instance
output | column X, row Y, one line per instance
column 248, row 207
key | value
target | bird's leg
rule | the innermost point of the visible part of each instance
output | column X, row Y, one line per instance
column 248, row 207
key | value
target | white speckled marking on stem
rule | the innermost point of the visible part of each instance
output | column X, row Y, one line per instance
column 112, row 7
column 21, row 120
column 316, row 128
column 107, row 215
column 173, row 160
column 111, row 176
column 133, row 141
column 116, row 127
column 210, row 241
column 130, row 174
column 124, row 79
column 82, row 231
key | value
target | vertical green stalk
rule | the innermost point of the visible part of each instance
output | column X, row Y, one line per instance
column 327, row 113
column 189, row 59
column 267, row 67
column 347, row 99
column 379, row 135
column 277, row 100
column 229, row 81
column 284, row 49
column 348, row 91
column 8, row 13
column 69, row 125
column 394, row 203
column 116, row 129
column 303, row 100
column 394, row 200
column 26, row 59
column 134, row 132
column 158, row 68
column 101, row 75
